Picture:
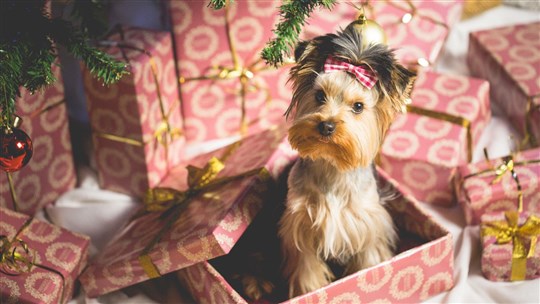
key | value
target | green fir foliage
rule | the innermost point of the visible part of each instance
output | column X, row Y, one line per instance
column 293, row 17
column 27, row 49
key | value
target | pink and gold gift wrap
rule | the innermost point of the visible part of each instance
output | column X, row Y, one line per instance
column 58, row 257
column 416, row 29
column 480, row 190
column 422, row 268
column 210, row 224
column 422, row 151
column 245, row 95
column 136, row 123
column 50, row 171
column 509, row 58
column 509, row 246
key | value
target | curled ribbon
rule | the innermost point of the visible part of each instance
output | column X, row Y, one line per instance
column 16, row 258
column 523, row 239
column 364, row 75
column 173, row 202
column 163, row 134
column 457, row 120
column 246, row 75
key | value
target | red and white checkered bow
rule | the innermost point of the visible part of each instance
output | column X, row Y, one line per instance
column 364, row 76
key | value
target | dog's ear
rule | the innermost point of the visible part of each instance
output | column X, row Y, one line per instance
column 398, row 88
column 299, row 50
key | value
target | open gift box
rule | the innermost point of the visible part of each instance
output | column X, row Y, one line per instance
column 194, row 214
column 422, row 267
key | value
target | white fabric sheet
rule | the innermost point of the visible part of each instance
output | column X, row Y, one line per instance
column 99, row 213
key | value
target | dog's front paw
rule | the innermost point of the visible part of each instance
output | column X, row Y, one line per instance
column 256, row 288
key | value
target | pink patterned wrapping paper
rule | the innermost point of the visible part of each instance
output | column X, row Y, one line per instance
column 496, row 258
column 419, row 40
column 212, row 108
column 53, row 247
column 421, row 152
column 411, row 276
column 477, row 195
column 209, row 226
column 509, row 58
column 50, row 171
column 130, row 109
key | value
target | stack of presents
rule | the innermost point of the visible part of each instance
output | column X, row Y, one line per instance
column 204, row 80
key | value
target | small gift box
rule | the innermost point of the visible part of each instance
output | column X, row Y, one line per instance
column 422, row 267
column 39, row 261
column 423, row 147
column 416, row 29
column 510, row 252
column 508, row 58
column 194, row 215
column 136, row 123
column 50, row 171
column 498, row 185
column 226, row 88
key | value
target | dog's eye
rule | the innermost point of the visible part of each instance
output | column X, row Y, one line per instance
column 319, row 96
column 358, row 107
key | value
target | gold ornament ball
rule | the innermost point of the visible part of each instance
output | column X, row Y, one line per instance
column 371, row 31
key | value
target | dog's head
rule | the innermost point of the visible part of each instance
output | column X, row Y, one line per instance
column 345, row 97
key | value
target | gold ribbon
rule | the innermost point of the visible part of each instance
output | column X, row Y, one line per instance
column 172, row 202
column 16, row 257
column 509, row 231
column 457, row 120
column 245, row 74
column 164, row 133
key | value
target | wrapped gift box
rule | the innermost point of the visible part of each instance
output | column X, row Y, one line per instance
column 208, row 226
column 58, row 256
column 50, row 171
column 423, row 267
column 509, row 249
column 423, row 150
column 478, row 194
column 212, row 100
column 508, row 58
column 137, row 122
column 416, row 29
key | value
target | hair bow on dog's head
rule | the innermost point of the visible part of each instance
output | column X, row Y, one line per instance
column 364, row 76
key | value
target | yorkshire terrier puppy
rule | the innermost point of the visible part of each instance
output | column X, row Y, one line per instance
column 345, row 96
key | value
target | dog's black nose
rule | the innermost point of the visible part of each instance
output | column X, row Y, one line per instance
column 326, row 128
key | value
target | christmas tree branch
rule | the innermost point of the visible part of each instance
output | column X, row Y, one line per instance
column 293, row 17
column 217, row 4
column 27, row 51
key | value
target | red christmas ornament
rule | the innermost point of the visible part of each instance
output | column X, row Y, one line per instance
column 15, row 147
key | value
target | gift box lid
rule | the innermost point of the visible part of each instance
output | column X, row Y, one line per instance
column 459, row 109
column 205, row 225
column 515, row 48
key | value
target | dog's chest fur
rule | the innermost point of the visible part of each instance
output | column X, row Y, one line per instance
column 338, row 209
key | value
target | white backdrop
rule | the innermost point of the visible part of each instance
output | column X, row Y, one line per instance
column 99, row 213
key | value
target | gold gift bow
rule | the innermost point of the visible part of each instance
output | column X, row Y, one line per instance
column 407, row 17
column 16, row 257
column 164, row 133
column 173, row 202
column 509, row 231
column 531, row 108
column 11, row 184
column 244, row 73
column 457, row 120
